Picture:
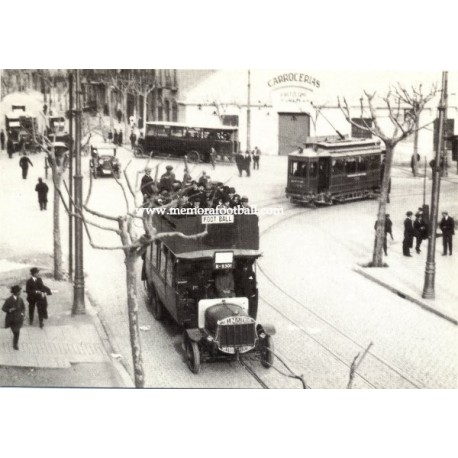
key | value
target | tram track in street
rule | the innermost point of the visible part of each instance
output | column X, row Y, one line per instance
column 289, row 298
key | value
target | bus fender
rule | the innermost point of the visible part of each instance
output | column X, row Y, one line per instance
column 195, row 335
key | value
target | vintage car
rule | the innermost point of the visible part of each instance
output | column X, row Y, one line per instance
column 103, row 161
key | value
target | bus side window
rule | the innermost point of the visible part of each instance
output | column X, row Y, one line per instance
column 163, row 269
column 170, row 269
column 350, row 166
column 362, row 164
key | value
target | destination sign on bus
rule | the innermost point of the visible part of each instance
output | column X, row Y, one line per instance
column 217, row 219
column 224, row 260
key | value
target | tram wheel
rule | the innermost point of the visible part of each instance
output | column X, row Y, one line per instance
column 192, row 356
column 155, row 305
column 267, row 356
column 193, row 156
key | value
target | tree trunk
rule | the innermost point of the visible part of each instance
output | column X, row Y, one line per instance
column 377, row 256
column 132, row 304
column 145, row 110
column 415, row 147
column 57, row 243
column 124, row 113
column 110, row 108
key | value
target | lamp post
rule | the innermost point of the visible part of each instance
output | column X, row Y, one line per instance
column 430, row 270
column 248, row 115
column 70, row 177
column 78, row 290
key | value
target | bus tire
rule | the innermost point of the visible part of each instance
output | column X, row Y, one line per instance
column 193, row 156
column 267, row 356
column 155, row 305
column 192, row 355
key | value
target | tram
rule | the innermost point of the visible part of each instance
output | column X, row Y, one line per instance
column 334, row 169
column 208, row 285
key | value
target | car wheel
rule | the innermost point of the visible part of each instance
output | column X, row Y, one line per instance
column 267, row 356
column 192, row 356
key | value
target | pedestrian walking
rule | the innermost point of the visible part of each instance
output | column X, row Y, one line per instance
column 120, row 138
column 2, row 139
column 420, row 231
column 10, row 147
column 247, row 163
column 24, row 164
column 15, row 311
column 407, row 243
column 239, row 162
column 42, row 190
column 213, row 157
column 133, row 139
column 37, row 294
column 256, row 158
column 412, row 162
column 447, row 226
column 387, row 230
column 115, row 136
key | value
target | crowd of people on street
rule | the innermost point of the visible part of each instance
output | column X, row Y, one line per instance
column 189, row 193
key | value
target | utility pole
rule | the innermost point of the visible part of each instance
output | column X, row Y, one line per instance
column 78, row 290
column 70, row 177
column 430, row 270
column 416, row 163
column 444, row 164
column 248, row 115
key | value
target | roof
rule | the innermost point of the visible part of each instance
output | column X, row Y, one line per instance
column 311, row 153
column 180, row 124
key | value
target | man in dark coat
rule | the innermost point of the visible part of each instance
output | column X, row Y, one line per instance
column 413, row 161
column 204, row 179
column 2, row 139
column 447, row 226
column 15, row 311
column 256, row 158
column 42, row 190
column 133, row 139
column 420, row 230
column 24, row 164
column 10, row 147
column 247, row 163
column 246, row 287
column 120, row 138
column 148, row 187
column 36, row 296
column 167, row 180
column 239, row 163
column 407, row 243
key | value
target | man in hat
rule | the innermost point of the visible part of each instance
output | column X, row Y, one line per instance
column 133, row 139
column 167, row 180
column 239, row 161
column 42, row 190
column 420, row 230
column 447, row 226
column 147, row 185
column 247, row 163
column 204, row 179
column 256, row 157
column 36, row 296
column 407, row 243
column 24, row 164
column 15, row 311
column 244, row 202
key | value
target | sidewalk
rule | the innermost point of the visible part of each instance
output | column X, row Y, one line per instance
column 405, row 277
column 68, row 351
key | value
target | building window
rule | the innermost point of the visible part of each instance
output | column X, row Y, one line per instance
column 361, row 133
column 230, row 120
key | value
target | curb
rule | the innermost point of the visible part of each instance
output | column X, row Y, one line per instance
column 406, row 296
column 108, row 344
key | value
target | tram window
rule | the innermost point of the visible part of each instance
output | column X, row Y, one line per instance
column 361, row 164
column 313, row 167
column 338, row 166
column 350, row 166
column 163, row 268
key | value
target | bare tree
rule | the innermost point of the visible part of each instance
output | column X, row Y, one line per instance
column 142, row 86
column 133, row 246
column 397, row 100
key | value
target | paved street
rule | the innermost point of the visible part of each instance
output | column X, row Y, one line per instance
column 324, row 312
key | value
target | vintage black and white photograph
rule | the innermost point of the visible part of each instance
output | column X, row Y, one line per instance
column 177, row 228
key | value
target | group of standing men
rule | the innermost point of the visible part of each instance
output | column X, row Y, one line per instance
column 418, row 228
column 243, row 161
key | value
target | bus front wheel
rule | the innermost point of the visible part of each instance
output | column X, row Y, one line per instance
column 193, row 156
